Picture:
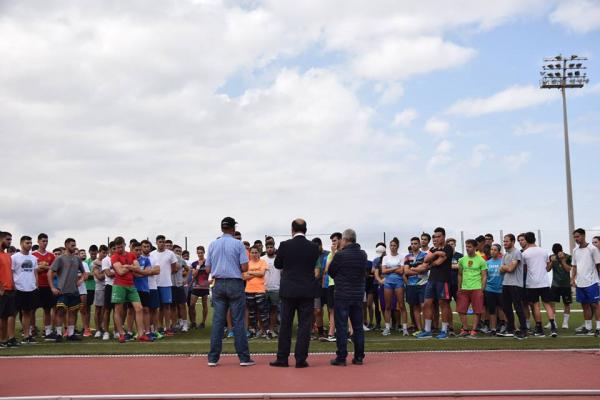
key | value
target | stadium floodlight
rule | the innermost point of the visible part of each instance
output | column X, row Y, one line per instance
column 563, row 80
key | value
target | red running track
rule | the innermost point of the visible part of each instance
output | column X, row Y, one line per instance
column 382, row 372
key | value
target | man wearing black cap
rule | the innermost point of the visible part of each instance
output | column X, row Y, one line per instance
column 296, row 259
column 226, row 260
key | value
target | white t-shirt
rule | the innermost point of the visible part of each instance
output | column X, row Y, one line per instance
column 390, row 261
column 106, row 266
column 536, row 259
column 272, row 275
column 81, row 288
column 164, row 259
column 152, row 279
column 585, row 259
column 24, row 271
column 99, row 283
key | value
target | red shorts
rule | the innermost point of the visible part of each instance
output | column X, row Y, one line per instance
column 472, row 297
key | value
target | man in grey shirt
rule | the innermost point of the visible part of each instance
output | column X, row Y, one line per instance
column 67, row 267
column 513, row 292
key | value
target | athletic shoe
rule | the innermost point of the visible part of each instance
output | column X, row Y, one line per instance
column 201, row 326
column 273, row 334
column 597, row 333
column 424, row 335
column 405, row 332
column 270, row 335
column 121, row 338
column 493, row 332
column 12, row 342
column 129, row 337
column 213, row 363
column 386, row 332
column 451, row 332
column 98, row 334
column 87, row 332
column 442, row 335
column 472, row 335
column 463, row 333
column 3, row 345
column 547, row 326
column 29, row 340
column 584, row 331
column 519, row 335
column 59, row 339
column 184, row 329
column 74, row 338
column 539, row 333
column 106, row 336
column 331, row 338
column 50, row 337
column 502, row 328
column 169, row 332
column 565, row 326
column 366, row 328
column 158, row 335
column 144, row 338
column 248, row 363
column 322, row 338
column 553, row 333
column 484, row 329
column 193, row 326
column 416, row 333
column 505, row 334
column 230, row 334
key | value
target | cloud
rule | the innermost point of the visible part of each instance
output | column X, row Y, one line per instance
column 389, row 93
column 480, row 153
column 399, row 58
column 510, row 99
column 514, row 162
column 579, row 16
column 436, row 126
column 405, row 117
column 441, row 155
column 536, row 128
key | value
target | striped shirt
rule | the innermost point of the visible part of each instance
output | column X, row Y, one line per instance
column 224, row 257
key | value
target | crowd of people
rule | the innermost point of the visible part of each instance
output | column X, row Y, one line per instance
column 150, row 290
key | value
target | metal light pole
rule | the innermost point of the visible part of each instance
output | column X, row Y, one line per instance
column 561, row 73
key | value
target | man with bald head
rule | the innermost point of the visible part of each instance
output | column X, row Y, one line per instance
column 296, row 258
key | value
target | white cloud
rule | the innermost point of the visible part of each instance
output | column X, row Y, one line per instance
column 510, row 99
column 405, row 117
column 514, row 162
column 441, row 155
column 536, row 128
column 399, row 58
column 389, row 93
column 580, row 16
column 436, row 126
column 480, row 153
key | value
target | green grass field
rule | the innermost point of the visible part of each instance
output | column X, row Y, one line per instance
column 198, row 341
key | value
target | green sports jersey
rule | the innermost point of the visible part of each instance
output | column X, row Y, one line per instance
column 472, row 268
column 90, row 283
column 560, row 277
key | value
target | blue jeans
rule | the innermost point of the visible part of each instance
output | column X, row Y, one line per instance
column 228, row 294
column 354, row 311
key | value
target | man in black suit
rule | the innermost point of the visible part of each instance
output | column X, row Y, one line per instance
column 296, row 258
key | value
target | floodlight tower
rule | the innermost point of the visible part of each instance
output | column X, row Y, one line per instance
column 565, row 73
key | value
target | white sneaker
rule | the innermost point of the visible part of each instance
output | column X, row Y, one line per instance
column 547, row 326
column 116, row 335
column 98, row 334
column 212, row 364
column 565, row 326
column 386, row 332
column 248, row 363
column 106, row 336
column 366, row 328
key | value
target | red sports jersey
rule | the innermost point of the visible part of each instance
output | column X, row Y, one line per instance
column 124, row 259
column 48, row 259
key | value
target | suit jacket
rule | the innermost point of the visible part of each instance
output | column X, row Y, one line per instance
column 296, row 258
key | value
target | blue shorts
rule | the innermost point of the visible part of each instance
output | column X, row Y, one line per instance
column 588, row 295
column 393, row 281
column 165, row 295
column 154, row 299
column 415, row 294
column 437, row 290
column 70, row 301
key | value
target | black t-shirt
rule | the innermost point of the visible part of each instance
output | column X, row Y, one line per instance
column 442, row 273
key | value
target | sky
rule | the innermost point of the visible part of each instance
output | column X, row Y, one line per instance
column 142, row 118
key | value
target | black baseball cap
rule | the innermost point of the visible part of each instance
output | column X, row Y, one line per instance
column 228, row 222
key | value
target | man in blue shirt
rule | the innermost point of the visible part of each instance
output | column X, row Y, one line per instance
column 226, row 260
column 140, row 280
